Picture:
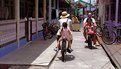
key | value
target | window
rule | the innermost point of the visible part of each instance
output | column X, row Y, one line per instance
column 107, row 12
column 119, row 12
column 7, row 9
column 113, row 9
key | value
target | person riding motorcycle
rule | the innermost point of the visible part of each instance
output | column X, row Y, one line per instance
column 64, row 18
column 85, row 26
column 90, row 29
column 65, row 34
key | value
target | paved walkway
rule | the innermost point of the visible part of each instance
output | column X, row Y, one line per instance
column 39, row 55
column 83, row 57
column 114, row 51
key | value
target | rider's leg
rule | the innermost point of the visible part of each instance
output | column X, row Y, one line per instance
column 94, row 39
column 58, row 45
column 58, row 37
column 85, row 35
column 69, row 49
column 69, row 43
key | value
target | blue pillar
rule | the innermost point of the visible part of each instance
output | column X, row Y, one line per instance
column 116, row 14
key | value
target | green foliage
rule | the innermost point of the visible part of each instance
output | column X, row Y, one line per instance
column 116, row 67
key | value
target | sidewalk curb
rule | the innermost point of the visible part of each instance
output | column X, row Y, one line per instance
column 46, row 66
column 44, row 59
column 53, row 58
column 107, row 51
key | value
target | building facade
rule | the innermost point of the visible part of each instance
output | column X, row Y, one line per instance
column 109, row 10
column 110, row 13
column 21, row 20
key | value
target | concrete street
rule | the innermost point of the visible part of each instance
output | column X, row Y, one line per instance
column 83, row 57
column 40, row 55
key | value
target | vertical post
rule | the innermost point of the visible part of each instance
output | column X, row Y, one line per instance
column 104, row 11
column 36, row 15
column 50, row 9
column 30, row 29
column 44, row 10
column 26, row 28
column 116, row 14
column 109, row 18
column 90, row 5
column 57, row 11
column 17, row 17
column 2, row 2
column 83, row 13
column 54, row 4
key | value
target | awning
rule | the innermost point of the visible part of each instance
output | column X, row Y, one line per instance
column 80, row 4
column 86, row 4
column 68, row 1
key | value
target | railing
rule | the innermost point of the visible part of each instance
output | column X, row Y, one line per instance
column 8, row 30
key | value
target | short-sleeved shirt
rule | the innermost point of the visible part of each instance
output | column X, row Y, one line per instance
column 93, row 20
column 69, row 21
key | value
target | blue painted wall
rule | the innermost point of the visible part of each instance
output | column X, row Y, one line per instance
column 23, row 42
column 35, row 37
column 13, row 46
column 40, row 34
column 8, row 48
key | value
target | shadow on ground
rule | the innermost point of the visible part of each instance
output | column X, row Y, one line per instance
column 68, row 57
column 91, row 47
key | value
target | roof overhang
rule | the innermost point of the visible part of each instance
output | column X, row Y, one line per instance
column 80, row 4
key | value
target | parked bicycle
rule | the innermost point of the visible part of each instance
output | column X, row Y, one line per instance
column 54, row 28
column 107, row 34
column 118, row 34
column 99, row 29
column 47, row 32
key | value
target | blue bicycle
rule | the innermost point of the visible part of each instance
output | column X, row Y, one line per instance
column 106, row 33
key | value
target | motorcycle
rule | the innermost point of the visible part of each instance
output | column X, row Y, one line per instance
column 47, row 33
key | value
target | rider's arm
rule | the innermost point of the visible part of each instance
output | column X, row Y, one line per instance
column 70, row 33
column 84, row 22
column 95, row 24
column 59, row 23
column 93, row 20
column 70, row 24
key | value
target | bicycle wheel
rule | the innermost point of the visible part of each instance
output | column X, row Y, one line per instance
column 90, row 41
column 108, row 37
column 50, row 35
column 44, row 35
column 99, row 31
column 118, row 39
column 63, row 50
